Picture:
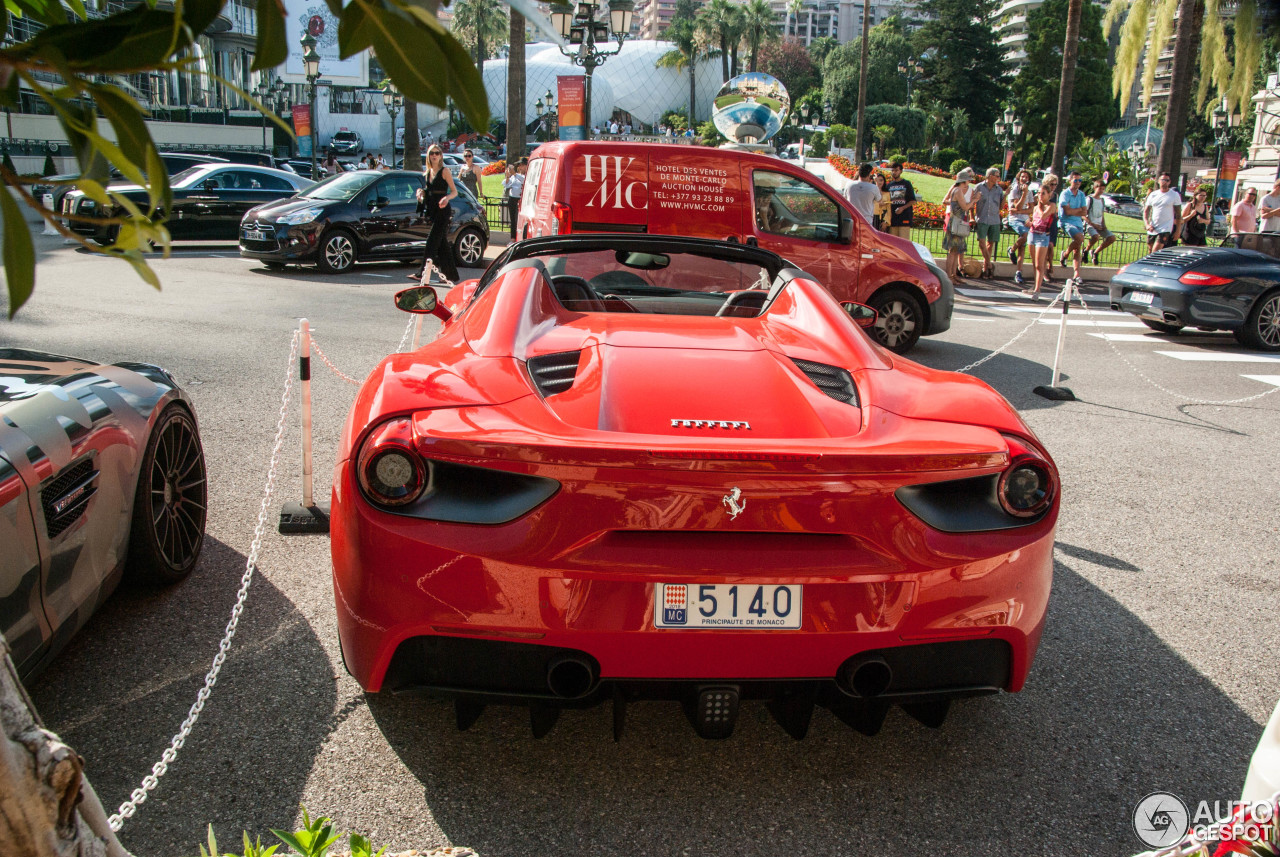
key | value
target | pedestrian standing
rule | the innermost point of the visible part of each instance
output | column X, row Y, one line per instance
column 882, row 204
column 863, row 194
column 1043, row 216
column 1269, row 210
column 1162, row 214
column 434, row 205
column 1051, row 181
column 959, row 203
column 468, row 175
column 902, row 197
column 1244, row 216
column 990, row 197
column 1021, row 200
column 1096, row 223
column 1196, row 219
column 513, row 189
column 1072, row 206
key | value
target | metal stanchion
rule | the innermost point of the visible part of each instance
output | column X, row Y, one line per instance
column 1054, row 391
column 417, row 330
column 307, row 516
column 47, row 202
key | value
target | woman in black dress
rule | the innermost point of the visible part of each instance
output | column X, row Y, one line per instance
column 1196, row 219
column 434, row 205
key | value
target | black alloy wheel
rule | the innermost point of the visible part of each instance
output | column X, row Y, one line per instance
column 899, row 320
column 1262, row 328
column 468, row 250
column 337, row 252
column 170, row 503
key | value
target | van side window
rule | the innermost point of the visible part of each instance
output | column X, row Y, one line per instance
column 532, row 178
column 794, row 208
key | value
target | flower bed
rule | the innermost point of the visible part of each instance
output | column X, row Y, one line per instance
column 494, row 168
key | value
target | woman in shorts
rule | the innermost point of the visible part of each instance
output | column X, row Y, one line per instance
column 1021, row 200
column 1043, row 216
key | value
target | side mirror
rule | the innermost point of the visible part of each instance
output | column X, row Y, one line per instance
column 421, row 300
column 379, row 202
column 862, row 315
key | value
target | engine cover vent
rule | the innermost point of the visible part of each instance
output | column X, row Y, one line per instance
column 832, row 380
column 66, row 497
column 554, row 373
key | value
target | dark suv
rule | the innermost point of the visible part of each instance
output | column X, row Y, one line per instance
column 346, row 143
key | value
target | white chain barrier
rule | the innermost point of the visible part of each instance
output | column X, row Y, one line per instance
column 1190, row 400
column 324, row 358
column 149, row 782
column 975, row 364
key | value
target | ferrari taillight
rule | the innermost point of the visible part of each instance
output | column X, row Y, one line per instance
column 561, row 219
column 1199, row 278
column 390, row 471
column 1028, row 485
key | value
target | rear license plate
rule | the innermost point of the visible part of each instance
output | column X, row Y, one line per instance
column 256, row 235
column 1142, row 298
column 730, row 606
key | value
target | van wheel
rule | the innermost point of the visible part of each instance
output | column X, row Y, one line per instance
column 337, row 252
column 899, row 320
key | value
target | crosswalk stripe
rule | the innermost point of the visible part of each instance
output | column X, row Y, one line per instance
column 963, row 317
column 1093, row 313
column 1083, row 322
column 1165, row 339
column 996, row 293
column 1219, row 357
column 1273, row 380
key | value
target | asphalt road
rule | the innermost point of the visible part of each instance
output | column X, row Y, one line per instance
column 1156, row 671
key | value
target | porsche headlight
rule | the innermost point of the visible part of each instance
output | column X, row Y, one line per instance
column 297, row 218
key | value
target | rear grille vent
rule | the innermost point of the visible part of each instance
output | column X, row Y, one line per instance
column 553, row 373
column 66, row 497
column 832, row 380
column 1175, row 258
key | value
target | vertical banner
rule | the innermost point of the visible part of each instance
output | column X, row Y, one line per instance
column 302, row 127
column 571, row 92
column 1008, row 160
column 1227, row 175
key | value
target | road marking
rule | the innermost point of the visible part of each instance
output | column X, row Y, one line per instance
column 1219, row 357
column 995, row 293
column 1161, row 338
column 1093, row 313
column 962, row 317
column 1082, row 322
column 1273, row 380
column 384, row 276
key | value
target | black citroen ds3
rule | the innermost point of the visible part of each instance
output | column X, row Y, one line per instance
column 359, row 216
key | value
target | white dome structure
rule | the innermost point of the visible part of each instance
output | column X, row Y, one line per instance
column 628, row 81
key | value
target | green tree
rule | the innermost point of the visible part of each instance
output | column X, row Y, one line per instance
column 907, row 124
column 719, row 20
column 759, row 27
column 882, row 135
column 820, row 47
column 481, row 25
column 71, row 63
column 689, row 48
column 1035, row 89
column 963, row 63
column 887, row 46
column 789, row 62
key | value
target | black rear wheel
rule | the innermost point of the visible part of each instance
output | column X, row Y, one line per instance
column 170, row 502
column 1161, row 327
column 1262, row 328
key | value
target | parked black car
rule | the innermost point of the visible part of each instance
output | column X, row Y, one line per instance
column 360, row 216
column 174, row 162
column 1210, row 288
column 346, row 143
column 208, row 201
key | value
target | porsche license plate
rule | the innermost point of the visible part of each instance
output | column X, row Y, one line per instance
column 1142, row 298
column 731, row 606
column 256, row 235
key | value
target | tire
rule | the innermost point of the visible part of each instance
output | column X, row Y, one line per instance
column 1262, row 328
column 899, row 320
column 468, row 250
column 274, row 266
column 107, row 237
column 337, row 252
column 169, row 504
column 1161, row 327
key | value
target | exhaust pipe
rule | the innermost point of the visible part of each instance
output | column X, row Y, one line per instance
column 865, row 677
column 1172, row 318
column 1115, row 307
column 570, row 676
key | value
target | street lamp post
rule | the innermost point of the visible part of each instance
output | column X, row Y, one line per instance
column 393, row 101
column 1007, row 132
column 804, row 112
column 546, row 115
column 311, row 63
column 583, row 31
column 269, row 95
column 912, row 71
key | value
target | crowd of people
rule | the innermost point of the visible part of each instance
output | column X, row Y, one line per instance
column 1038, row 215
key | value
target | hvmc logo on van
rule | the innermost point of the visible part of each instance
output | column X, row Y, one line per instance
column 615, row 189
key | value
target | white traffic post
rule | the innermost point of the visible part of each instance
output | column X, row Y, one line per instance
column 417, row 329
column 47, row 202
column 1053, row 391
column 304, row 376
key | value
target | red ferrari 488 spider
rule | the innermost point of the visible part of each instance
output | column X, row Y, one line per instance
column 652, row 467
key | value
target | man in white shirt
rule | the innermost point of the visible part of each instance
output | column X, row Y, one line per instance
column 1269, row 211
column 863, row 193
column 1162, row 213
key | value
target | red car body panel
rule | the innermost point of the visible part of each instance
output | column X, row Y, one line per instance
column 641, row 501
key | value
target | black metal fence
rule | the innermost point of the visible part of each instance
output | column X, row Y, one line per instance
column 497, row 212
column 1128, row 246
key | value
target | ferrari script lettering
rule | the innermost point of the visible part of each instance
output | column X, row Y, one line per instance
column 729, row 424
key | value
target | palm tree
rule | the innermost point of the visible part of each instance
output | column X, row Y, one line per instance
column 862, row 80
column 412, row 150
column 1067, row 85
column 737, row 26
column 515, row 89
column 794, row 7
column 685, row 35
column 759, row 26
column 936, row 122
column 882, row 133
column 480, row 25
column 716, row 20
